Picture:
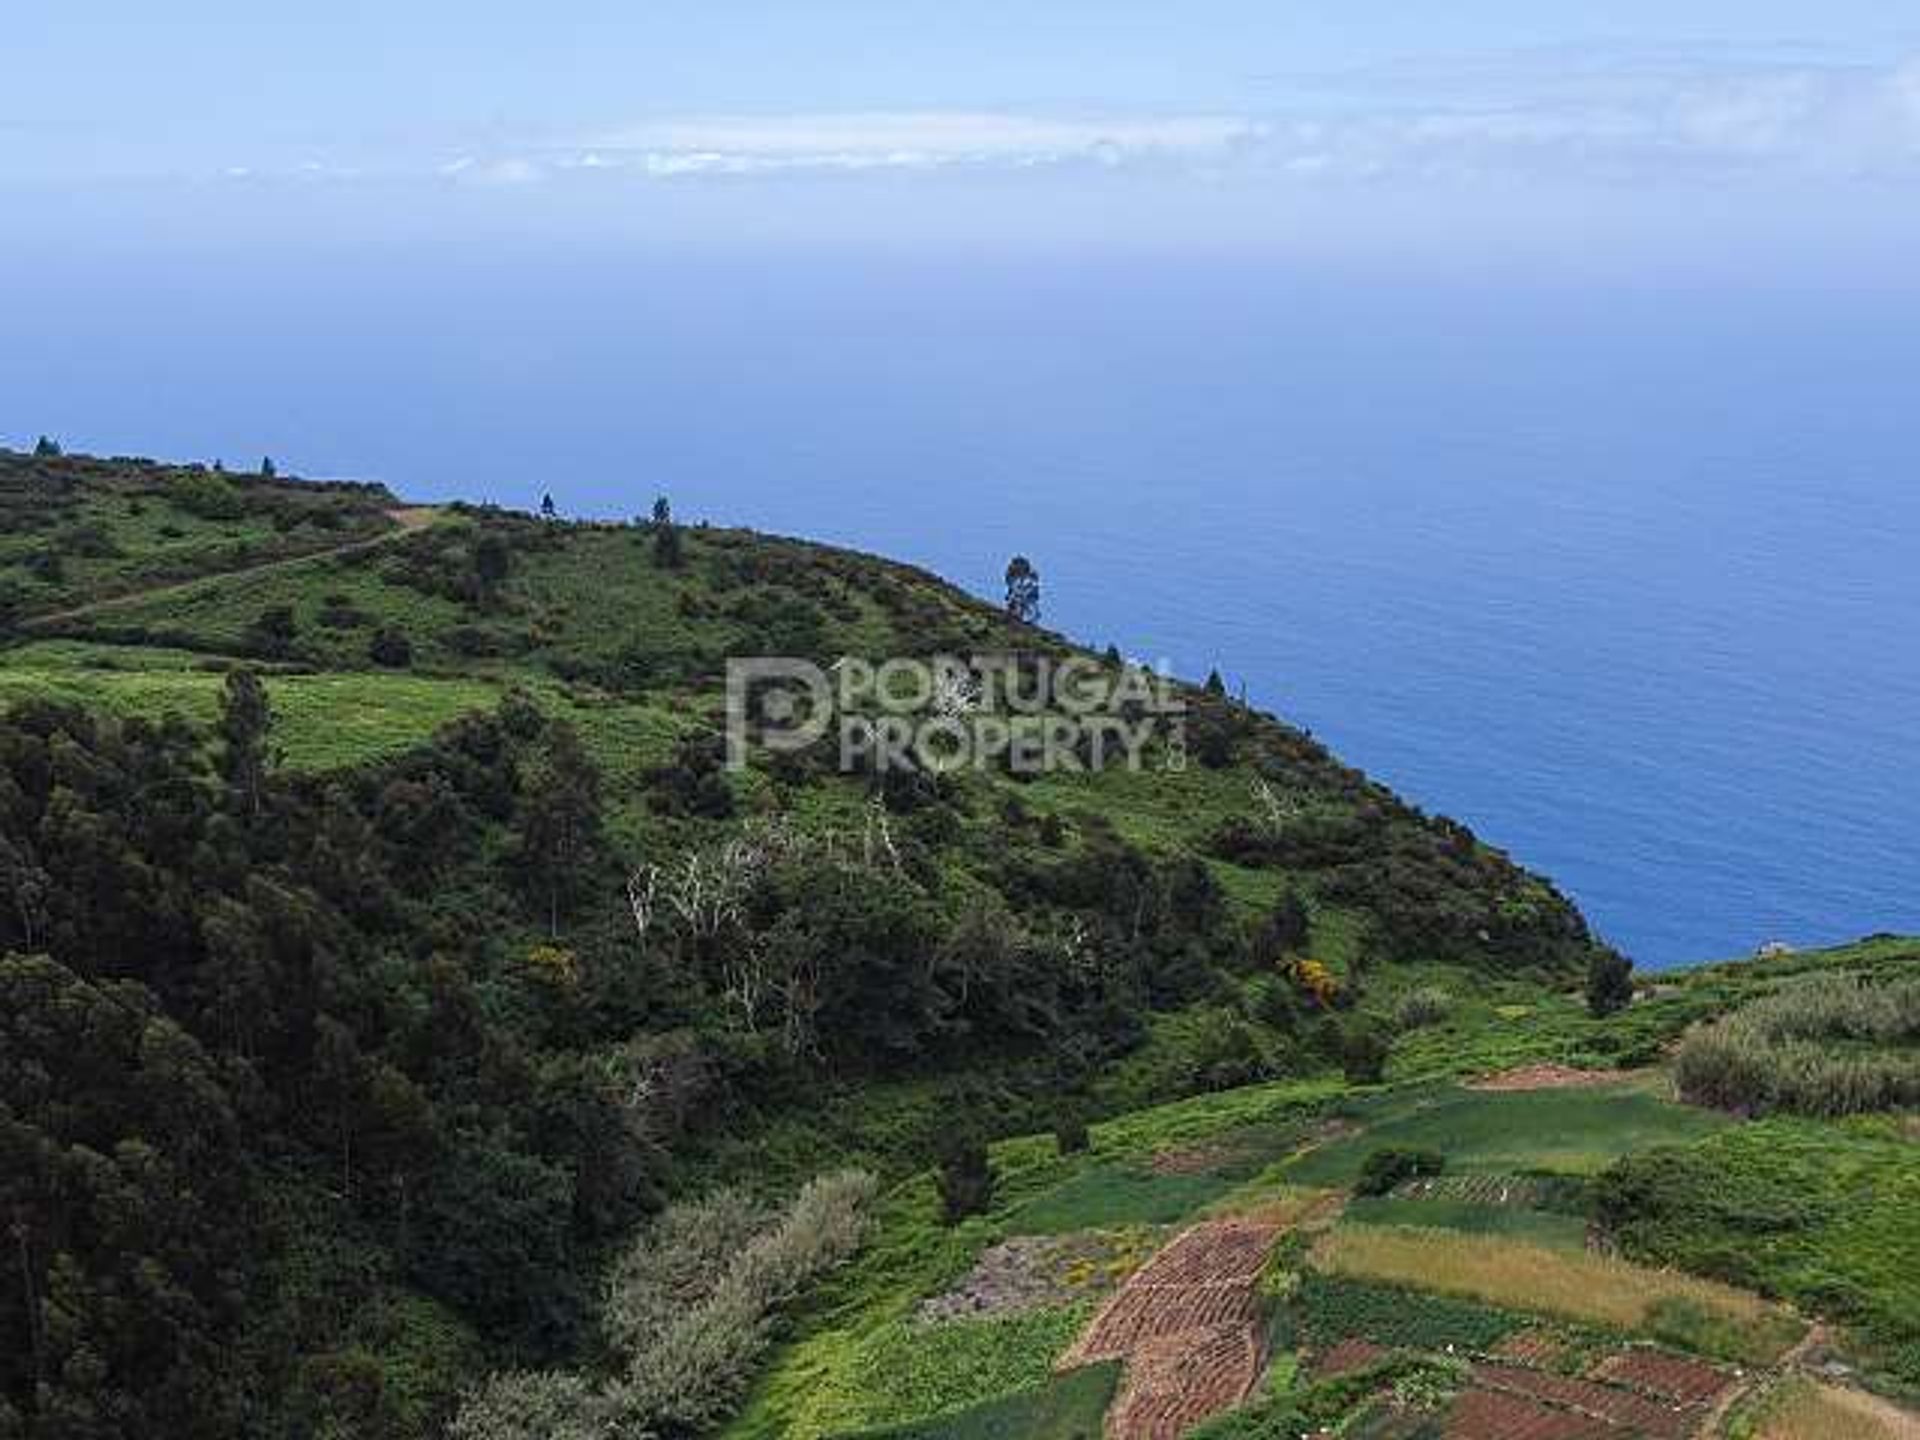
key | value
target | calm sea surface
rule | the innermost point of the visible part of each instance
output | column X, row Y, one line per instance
column 1627, row 578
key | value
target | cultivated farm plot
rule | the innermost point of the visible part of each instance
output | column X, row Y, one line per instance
column 1569, row 1132
column 1175, row 1383
column 1529, row 1192
column 1678, row 1378
column 1635, row 1394
column 1188, row 1327
column 1619, row 1407
column 1589, row 1289
column 1490, row 1415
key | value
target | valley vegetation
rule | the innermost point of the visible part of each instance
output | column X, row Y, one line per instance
column 412, row 1027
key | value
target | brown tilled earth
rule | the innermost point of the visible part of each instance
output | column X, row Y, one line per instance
column 1187, row 1325
column 1177, row 1381
column 1547, row 1077
column 1678, row 1378
column 1625, row 1410
column 1343, row 1359
column 1489, row 1415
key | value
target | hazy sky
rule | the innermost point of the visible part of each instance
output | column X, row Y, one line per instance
column 1224, row 122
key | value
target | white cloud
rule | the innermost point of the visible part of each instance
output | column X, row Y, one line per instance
column 1589, row 116
column 910, row 140
column 1635, row 115
column 512, row 170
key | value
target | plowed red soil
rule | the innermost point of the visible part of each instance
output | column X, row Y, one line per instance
column 1676, row 1377
column 1187, row 1326
column 1657, row 1419
column 1485, row 1415
column 1348, row 1356
column 1531, row 1347
column 1176, row 1382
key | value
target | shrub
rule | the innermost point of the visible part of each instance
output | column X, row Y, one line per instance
column 1363, row 1054
column 1070, row 1135
column 390, row 648
column 1609, row 983
column 965, row 1181
column 676, row 1264
column 694, row 1372
column 1816, row 1048
column 206, row 495
column 1383, row 1170
column 337, row 612
column 1416, row 1009
column 691, row 1306
column 273, row 631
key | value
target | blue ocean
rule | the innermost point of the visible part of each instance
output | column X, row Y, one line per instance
column 1626, row 575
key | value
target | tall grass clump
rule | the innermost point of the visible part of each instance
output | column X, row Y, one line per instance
column 1815, row 1048
column 1427, row 1005
column 691, row 1308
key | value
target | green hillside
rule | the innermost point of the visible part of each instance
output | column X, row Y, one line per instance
column 400, row 991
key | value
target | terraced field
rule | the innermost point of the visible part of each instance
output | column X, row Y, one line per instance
column 1466, row 1305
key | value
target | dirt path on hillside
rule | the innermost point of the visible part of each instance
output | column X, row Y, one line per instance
column 1547, row 1077
column 406, row 518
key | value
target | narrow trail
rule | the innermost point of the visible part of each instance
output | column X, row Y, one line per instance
column 407, row 519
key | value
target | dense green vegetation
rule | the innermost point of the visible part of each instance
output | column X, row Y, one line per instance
column 1328, row 1309
column 1826, row 1215
column 1813, row 1047
column 1072, row 1407
column 399, row 992
column 76, row 531
column 1575, row 1131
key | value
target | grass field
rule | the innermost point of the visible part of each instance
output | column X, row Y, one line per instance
column 1109, row 1195
column 908, row 1371
column 1698, row 1314
column 323, row 722
column 1573, row 1132
column 1513, row 1222
column 1827, row 1214
column 1070, row 1407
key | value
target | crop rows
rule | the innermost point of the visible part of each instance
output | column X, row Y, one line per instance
column 1331, row 1309
column 1489, row 1415
column 1674, row 1377
column 1175, row 1382
column 1187, row 1324
column 1346, row 1357
column 1659, row 1420
column 1521, row 1192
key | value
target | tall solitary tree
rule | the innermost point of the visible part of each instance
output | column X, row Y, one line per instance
column 559, row 820
column 1023, row 590
column 267, row 468
column 246, row 729
column 492, row 562
column 668, row 553
column 548, row 510
column 47, row 447
column 1609, row 982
